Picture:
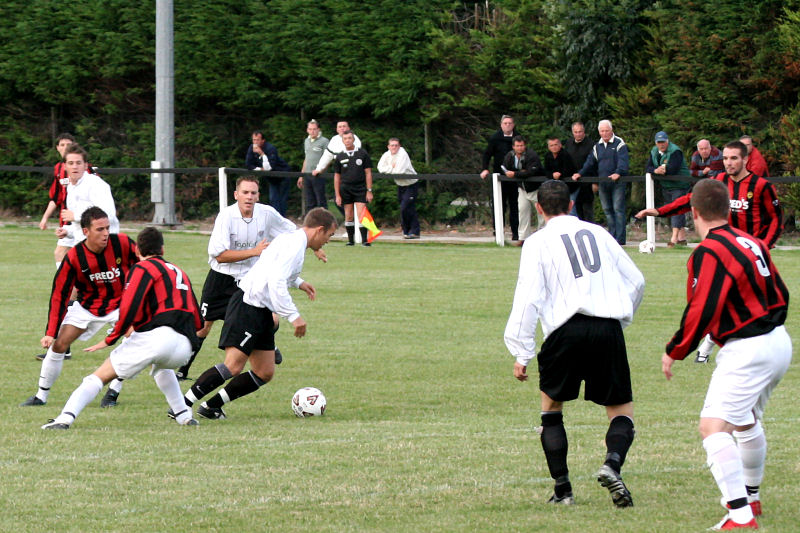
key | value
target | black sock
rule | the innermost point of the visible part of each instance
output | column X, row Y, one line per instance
column 183, row 371
column 554, row 444
column 351, row 233
column 209, row 380
column 618, row 440
column 241, row 385
column 363, row 234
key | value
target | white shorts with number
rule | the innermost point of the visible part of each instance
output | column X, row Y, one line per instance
column 747, row 372
column 162, row 347
column 81, row 318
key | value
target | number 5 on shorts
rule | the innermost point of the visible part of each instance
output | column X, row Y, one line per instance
column 247, row 336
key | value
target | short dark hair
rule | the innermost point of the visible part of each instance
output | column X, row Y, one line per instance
column 348, row 132
column 76, row 148
column 63, row 136
column 90, row 215
column 554, row 138
column 553, row 196
column 246, row 178
column 150, row 241
column 518, row 139
column 740, row 145
column 711, row 199
column 394, row 139
column 319, row 216
column 258, row 132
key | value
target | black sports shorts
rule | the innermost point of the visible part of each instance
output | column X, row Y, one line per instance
column 353, row 192
column 217, row 291
column 247, row 327
column 588, row 349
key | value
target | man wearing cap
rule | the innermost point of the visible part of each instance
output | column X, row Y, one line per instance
column 666, row 159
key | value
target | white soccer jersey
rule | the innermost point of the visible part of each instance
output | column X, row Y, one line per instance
column 278, row 268
column 335, row 146
column 232, row 232
column 570, row 267
column 90, row 191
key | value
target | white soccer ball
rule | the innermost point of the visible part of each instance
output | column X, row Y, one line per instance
column 308, row 401
column 647, row 247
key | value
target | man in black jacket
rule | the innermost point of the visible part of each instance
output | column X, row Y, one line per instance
column 578, row 147
column 499, row 145
column 520, row 163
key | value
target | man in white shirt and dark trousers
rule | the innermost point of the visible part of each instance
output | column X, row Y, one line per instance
column 247, row 335
column 396, row 161
column 584, row 288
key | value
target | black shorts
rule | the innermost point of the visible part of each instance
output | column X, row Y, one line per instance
column 588, row 349
column 247, row 328
column 217, row 291
column 353, row 192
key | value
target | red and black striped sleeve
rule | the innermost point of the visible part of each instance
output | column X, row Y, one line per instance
column 771, row 214
column 63, row 283
column 133, row 308
column 677, row 207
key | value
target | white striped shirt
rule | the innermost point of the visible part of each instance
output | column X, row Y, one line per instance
column 232, row 232
column 278, row 268
column 90, row 191
column 570, row 267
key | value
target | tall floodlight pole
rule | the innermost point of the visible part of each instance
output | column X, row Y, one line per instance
column 162, row 186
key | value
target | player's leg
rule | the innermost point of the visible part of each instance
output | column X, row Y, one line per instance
column 509, row 193
column 556, row 446
column 619, row 438
column 349, row 223
column 112, row 394
column 60, row 253
column 217, row 375
column 262, row 368
column 170, row 349
column 752, row 444
column 89, row 388
column 525, row 211
column 53, row 363
column 359, row 210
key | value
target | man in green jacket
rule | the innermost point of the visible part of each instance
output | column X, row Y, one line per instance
column 666, row 159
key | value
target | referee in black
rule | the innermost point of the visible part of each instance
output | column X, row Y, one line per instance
column 584, row 288
column 352, row 182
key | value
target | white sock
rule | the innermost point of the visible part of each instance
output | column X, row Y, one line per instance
column 752, row 446
column 51, row 369
column 168, row 383
column 116, row 385
column 707, row 345
column 725, row 463
column 58, row 264
column 89, row 388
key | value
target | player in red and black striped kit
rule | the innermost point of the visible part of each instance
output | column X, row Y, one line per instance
column 97, row 268
column 754, row 206
column 160, row 307
column 736, row 295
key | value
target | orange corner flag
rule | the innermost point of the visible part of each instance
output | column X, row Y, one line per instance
column 368, row 222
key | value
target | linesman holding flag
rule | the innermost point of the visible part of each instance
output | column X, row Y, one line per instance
column 352, row 182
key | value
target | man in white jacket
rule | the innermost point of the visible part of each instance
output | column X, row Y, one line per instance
column 335, row 146
column 396, row 161
column 84, row 190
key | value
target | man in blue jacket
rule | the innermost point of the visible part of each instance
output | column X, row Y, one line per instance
column 609, row 159
column 261, row 155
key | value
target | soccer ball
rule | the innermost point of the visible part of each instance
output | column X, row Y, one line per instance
column 308, row 401
column 647, row 247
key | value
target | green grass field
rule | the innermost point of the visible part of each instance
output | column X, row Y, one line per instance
column 426, row 429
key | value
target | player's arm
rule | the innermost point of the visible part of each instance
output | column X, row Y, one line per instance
column 632, row 277
column 337, row 181
column 679, row 206
column 233, row 256
column 63, row 283
column 520, row 332
column 133, row 300
column 48, row 212
column 772, row 211
column 368, row 175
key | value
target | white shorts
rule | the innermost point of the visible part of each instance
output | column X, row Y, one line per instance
column 162, row 347
column 67, row 242
column 747, row 371
column 81, row 318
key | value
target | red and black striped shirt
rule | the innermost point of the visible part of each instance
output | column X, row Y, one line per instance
column 733, row 290
column 157, row 294
column 99, row 279
column 755, row 208
column 58, row 189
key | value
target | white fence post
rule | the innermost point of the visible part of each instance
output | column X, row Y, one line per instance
column 223, row 188
column 497, row 195
column 650, row 202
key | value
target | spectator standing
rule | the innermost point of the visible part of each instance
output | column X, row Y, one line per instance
column 352, row 182
column 666, row 159
column 313, row 186
column 706, row 161
column 262, row 155
column 500, row 143
column 735, row 294
column 755, row 161
column 520, row 163
column 396, row 161
column 578, row 147
column 609, row 159
column 335, row 146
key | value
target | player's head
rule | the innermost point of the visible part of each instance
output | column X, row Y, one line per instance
column 150, row 242
column 75, row 158
column 711, row 200
column 734, row 158
column 320, row 225
column 349, row 139
column 246, row 193
column 62, row 141
column 95, row 226
column 553, row 198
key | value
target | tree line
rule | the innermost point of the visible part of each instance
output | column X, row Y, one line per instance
column 436, row 73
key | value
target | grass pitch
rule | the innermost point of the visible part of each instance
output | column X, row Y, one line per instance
column 426, row 429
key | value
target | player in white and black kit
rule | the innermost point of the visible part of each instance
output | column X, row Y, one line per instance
column 241, row 232
column 352, row 183
column 584, row 288
column 248, row 336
